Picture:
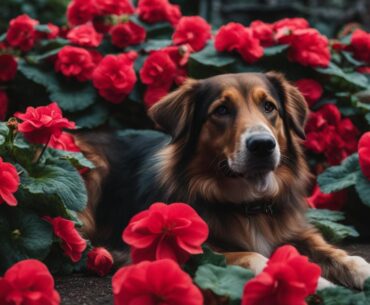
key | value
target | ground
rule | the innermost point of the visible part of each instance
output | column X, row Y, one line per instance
column 80, row 289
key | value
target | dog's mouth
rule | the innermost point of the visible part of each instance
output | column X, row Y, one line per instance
column 257, row 171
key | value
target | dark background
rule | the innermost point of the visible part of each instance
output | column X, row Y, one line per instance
column 328, row 16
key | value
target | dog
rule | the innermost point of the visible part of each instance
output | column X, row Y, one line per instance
column 229, row 146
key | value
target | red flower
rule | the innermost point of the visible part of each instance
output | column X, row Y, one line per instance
column 75, row 62
column 115, row 77
column 28, row 282
column 333, row 201
column 9, row 183
column 158, row 72
column 65, row 141
column 309, row 48
column 263, row 32
column 160, row 282
column 40, row 123
column 291, row 24
column 284, row 27
column 287, row 280
column 21, row 32
column 100, row 261
column 152, row 11
column 364, row 154
column 172, row 231
column 127, row 34
column 114, row 7
column 360, row 45
column 236, row 37
column 8, row 67
column 194, row 31
column 85, row 36
column 71, row 241
column 80, row 11
column 3, row 105
column 328, row 133
column 310, row 89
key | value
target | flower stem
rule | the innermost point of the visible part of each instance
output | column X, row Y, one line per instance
column 42, row 151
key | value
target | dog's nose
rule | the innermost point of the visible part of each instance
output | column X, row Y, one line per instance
column 261, row 145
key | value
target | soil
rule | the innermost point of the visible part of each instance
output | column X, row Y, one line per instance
column 80, row 289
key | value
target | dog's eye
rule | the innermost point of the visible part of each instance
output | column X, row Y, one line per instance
column 269, row 107
column 222, row 110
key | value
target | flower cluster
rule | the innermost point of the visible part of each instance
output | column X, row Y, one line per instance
column 306, row 45
column 330, row 134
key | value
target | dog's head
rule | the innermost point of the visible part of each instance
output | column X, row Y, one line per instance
column 236, row 131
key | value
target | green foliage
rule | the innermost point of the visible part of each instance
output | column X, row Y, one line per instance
column 23, row 234
column 226, row 281
column 341, row 296
column 210, row 57
column 327, row 222
column 346, row 175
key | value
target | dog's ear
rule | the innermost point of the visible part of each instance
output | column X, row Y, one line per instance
column 294, row 107
column 174, row 112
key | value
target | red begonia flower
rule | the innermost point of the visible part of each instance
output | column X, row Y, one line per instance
column 127, row 34
column 172, row 231
column 360, row 45
column 85, row 36
column 364, row 154
column 21, row 32
column 287, row 280
column 115, row 77
column 100, row 261
column 114, row 7
column 80, row 11
column 310, row 89
column 333, row 201
column 71, row 241
column 192, row 30
column 28, row 282
column 40, row 123
column 152, row 11
column 263, row 32
column 9, row 183
column 65, row 141
column 151, row 283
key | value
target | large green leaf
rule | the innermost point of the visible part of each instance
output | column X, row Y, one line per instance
column 210, row 57
column 327, row 222
column 56, row 179
column 341, row 296
column 353, row 78
column 223, row 281
column 77, row 159
column 339, row 177
column 207, row 257
column 23, row 234
column 362, row 187
column 70, row 94
column 4, row 131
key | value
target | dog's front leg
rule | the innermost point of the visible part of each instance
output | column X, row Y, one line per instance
column 257, row 262
column 336, row 264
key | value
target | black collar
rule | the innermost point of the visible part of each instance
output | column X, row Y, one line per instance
column 266, row 206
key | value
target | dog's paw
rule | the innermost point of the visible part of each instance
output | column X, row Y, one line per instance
column 324, row 283
column 360, row 270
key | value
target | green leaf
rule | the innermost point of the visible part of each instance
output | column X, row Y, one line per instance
column 223, row 281
column 93, row 116
column 70, row 94
column 363, row 188
column 57, row 179
column 348, row 56
column 155, row 44
column 326, row 222
column 77, row 159
column 210, row 57
column 23, row 234
column 339, row 177
column 207, row 257
column 353, row 78
column 270, row 51
column 44, row 28
column 4, row 132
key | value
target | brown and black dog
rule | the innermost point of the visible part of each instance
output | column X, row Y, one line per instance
column 234, row 154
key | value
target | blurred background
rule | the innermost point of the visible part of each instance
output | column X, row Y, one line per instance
column 328, row 16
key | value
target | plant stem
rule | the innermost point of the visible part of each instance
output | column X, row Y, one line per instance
column 42, row 151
